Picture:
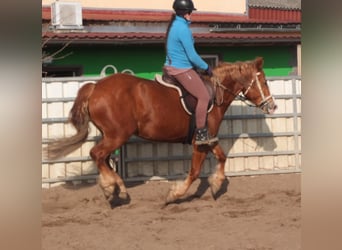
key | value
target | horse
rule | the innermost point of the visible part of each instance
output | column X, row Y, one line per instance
column 122, row 105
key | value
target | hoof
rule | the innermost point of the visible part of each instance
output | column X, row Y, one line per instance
column 123, row 195
column 108, row 192
column 215, row 185
column 170, row 198
column 176, row 191
column 214, row 190
column 119, row 200
column 124, row 198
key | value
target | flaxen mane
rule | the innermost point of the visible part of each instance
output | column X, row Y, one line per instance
column 238, row 71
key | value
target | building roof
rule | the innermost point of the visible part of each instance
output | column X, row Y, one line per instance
column 110, row 26
column 277, row 4
column 264, row 15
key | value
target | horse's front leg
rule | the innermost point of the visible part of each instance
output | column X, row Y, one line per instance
column 180, row 188
column 217, row 178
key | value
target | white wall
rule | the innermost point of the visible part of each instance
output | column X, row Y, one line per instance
column 219, row 6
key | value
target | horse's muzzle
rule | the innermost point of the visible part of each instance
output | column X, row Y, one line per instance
column 269, row 106
column 271, row 110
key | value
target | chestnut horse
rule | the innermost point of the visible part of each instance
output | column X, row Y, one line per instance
column 123, row 105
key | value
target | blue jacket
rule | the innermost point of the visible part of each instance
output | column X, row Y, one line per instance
column 180, row 47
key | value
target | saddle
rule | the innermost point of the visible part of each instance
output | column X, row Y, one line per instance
column 187, row 100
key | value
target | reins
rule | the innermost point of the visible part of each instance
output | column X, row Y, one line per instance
column 218, row 85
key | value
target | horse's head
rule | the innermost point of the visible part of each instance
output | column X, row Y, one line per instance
column 256, row 89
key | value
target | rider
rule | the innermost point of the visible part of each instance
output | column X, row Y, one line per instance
column 182, row 58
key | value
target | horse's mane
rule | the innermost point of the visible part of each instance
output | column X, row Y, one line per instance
column 239, row 71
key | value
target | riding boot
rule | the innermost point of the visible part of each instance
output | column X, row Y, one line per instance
column 203, row 137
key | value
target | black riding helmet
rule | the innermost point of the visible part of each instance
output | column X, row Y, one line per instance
column 186, row 5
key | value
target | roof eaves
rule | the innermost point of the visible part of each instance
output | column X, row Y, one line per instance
column 158, row 38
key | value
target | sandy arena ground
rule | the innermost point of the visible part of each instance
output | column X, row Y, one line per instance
column 251, row 212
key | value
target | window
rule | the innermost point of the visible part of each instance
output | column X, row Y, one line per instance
column 61, row 71
column 211, row 59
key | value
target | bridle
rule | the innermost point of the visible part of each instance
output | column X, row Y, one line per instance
column 264, row 100
column 242, row 97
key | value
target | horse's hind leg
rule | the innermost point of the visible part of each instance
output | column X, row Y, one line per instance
column 108, row 178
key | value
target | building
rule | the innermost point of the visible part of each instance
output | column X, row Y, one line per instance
column 82, row 38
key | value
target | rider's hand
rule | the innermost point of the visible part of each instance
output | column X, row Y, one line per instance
column 209, row 71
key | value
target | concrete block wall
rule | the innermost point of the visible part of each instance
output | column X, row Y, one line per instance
column 279, row 152
column 57, row 99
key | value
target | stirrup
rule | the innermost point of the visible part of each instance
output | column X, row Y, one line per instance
column 202, row 137
column 207, row 142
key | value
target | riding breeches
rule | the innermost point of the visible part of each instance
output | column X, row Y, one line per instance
column 195, row 86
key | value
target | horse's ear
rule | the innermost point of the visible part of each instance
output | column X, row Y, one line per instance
column 259, row 62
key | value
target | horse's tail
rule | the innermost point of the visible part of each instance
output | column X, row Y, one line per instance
column 79, row 118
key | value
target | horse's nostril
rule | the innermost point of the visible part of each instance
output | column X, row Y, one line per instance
column 272, row 109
